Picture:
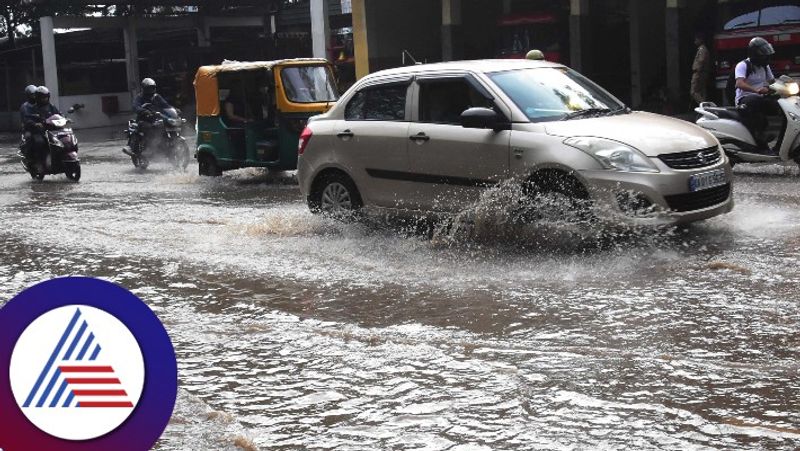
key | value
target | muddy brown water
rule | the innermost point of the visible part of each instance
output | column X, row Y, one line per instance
column 294, row 332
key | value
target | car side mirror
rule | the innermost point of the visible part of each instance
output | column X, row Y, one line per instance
column 484, row 118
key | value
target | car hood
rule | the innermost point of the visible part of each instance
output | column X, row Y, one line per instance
column 652, row 134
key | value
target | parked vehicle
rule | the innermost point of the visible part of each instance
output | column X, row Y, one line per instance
column 739, row 143
column 780, row 25
column 435, row 137
column 157, row 132
column 60, row 155
column 519, row 33
column 271, row 102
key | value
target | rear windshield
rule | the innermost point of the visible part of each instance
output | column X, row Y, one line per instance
column 308, row 84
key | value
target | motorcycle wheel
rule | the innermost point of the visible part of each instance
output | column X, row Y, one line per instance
column 181, row 158
column 73, row 171
column 140, row 162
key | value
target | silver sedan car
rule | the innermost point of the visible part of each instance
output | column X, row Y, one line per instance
column 435, row 137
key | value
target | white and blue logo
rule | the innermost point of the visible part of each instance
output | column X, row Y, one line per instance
column 89, row 366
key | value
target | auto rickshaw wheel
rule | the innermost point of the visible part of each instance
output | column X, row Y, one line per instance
column 207, row 166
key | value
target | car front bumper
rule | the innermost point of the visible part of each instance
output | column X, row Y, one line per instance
column 667, row 191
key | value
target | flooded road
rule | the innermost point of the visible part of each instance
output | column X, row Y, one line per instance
column 294, row 332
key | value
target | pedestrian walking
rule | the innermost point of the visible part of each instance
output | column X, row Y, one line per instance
column 701, row 69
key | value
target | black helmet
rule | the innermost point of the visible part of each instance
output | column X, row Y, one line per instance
column 42, row 95
column 30, row 93
column 760, row 51
column 148, row 87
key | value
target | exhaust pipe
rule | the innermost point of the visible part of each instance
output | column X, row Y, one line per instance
column 127, row 152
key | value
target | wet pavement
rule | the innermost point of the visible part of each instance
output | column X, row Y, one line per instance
column 295, row 332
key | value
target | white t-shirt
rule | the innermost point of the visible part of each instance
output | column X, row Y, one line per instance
column 758, row 78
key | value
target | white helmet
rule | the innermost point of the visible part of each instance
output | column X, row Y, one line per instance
column 148, row 86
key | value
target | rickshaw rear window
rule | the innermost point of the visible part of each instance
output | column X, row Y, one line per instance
column 308, row 84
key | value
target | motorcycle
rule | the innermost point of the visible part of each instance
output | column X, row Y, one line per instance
column 161, row 130
column 60, row 155
column 740, row 145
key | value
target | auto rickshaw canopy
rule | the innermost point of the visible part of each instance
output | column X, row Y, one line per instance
column 206, row 85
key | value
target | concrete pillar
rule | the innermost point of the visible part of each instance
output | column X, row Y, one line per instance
column 49, row 62
column 673, row 37
column 360, row 42
column 203, row 32
column 320, row 28
column 131, row 39
column 452, row 42
column 579, row 33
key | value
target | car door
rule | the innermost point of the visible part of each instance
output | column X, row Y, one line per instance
column 372, row 141
column 452, row 165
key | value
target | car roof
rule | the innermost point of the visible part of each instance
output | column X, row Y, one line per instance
column 480, row 66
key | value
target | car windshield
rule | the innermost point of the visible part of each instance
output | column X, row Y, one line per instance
column 552, row 94
column 308, row 84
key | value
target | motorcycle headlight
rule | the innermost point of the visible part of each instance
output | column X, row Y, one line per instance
column 613, row 155
column 793, row 89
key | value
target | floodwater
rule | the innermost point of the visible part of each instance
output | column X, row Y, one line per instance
column 294, row 332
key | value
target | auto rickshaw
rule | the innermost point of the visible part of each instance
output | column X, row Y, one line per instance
column 251, row 114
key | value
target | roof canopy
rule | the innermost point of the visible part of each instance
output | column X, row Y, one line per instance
column 206, row 86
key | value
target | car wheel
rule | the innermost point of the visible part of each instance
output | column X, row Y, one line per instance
column 336, row 196
column 553, row 195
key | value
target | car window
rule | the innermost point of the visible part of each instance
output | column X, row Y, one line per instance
column 443, row 101
column 381, row 103
column 552, row 94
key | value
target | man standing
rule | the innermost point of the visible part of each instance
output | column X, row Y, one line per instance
column 700, row 70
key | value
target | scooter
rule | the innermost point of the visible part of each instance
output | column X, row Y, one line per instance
column 740, row 145
column 164, row 133
column 61, row 153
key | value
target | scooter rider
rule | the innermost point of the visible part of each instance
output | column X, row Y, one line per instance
column 24, row 110
column 753, row 77
column 35, row 117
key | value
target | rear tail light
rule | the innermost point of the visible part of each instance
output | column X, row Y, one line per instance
column 305, row 137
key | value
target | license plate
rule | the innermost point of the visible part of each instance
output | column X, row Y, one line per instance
column 707, row 180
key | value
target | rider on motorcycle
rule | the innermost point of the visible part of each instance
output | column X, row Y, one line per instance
column 753, row 77
column 25, row 109
column 34, row 118
column 146, row 116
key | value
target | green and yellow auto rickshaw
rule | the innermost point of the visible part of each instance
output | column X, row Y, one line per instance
column 251, row 114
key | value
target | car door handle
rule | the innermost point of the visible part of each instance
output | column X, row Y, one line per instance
column 419, row 137
column 345, row 134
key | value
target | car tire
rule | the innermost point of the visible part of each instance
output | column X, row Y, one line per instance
column 335, row 195
column 556, row 195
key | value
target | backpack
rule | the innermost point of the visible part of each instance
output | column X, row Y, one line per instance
column 730, row 86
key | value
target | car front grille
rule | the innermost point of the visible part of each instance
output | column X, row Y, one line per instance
column 692, row 160
column 699, row 199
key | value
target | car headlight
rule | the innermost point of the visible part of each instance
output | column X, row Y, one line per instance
column 613, row 154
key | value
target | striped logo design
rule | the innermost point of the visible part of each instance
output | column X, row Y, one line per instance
column 77, row 372
column 75, row 375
